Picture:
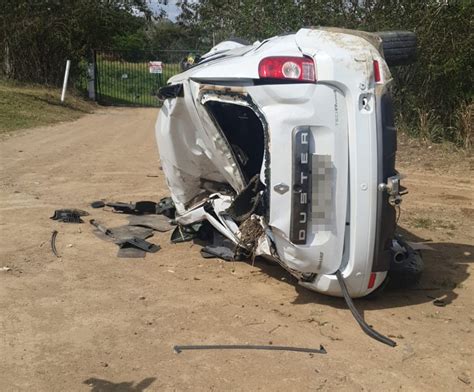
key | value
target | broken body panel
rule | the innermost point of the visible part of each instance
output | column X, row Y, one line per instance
column 314, row 148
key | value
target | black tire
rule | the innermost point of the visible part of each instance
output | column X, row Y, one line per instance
column 399, row 47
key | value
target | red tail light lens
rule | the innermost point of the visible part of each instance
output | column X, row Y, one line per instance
column 372, row 278
column 377, row 74
column 292, row 68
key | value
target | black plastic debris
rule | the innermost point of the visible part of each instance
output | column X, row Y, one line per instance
column 171, row 91
column 130, row 239
column 200, row 231
column 185, row 233
column 406, row 266
column 219, row 252
column 368, row 329
column 215, row 245
column 140, row 207
column 54, row 234
column 98, row 204
column 122, row 232
column 69, row 215
column 156, row 222
column 166, row 207
column 139, row 243
column 438, row 301
column 248, row 201
column 220, row 247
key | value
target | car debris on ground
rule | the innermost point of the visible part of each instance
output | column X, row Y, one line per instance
column 179, row 349
column 130, row 239
column 54, row 234
column 69, row 215
column 144, row 218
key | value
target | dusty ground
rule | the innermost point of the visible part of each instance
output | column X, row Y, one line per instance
column 90, row 321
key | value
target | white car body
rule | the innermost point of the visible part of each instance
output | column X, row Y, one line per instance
column 337, row 120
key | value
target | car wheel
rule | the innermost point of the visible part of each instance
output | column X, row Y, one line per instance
column 399, row 47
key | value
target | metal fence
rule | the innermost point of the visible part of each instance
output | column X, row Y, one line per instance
column 133, row 78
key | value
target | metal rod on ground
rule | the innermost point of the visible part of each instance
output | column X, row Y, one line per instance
column 66, row 76
column 179, row 349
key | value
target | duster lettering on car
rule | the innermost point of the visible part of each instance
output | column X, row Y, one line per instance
column 301, row 187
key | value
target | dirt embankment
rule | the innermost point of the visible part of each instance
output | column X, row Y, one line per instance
column 90, row 321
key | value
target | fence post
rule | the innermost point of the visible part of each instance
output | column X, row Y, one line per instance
column 91, row 81
column 66, row 76
column 96, row 75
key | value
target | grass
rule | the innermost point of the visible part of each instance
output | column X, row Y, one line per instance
column 428, row 223
column 440, row 158
column 127, row 83
column 423, row 223
column 27, row 105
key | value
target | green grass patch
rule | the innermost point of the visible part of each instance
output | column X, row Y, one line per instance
column 422, row 223
column 27, row 105
column 131, row 84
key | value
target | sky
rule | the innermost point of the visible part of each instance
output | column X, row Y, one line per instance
column 171, row 8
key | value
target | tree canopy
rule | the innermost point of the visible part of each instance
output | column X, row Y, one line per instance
column 434, row 95
column 38, row 36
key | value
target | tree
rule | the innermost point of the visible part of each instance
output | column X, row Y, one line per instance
column 433, row 96
column 38, row 36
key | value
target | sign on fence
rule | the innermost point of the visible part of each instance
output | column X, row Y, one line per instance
column 155, row 67
column 132, row 77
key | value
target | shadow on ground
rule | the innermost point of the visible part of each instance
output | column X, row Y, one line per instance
column 446, row 268
column 99, row 385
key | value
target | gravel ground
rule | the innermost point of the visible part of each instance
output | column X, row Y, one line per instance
column 88, row 321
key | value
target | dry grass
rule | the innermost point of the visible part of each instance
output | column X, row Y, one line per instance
column 440, row 158
column 465, row 120
column 27, row 105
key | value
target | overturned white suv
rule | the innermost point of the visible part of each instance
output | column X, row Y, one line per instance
column 287, row 148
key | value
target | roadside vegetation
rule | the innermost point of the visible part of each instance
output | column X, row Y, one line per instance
column 434, row 96
column 30, row 105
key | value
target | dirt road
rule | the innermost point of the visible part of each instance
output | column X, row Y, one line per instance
column 92, row 322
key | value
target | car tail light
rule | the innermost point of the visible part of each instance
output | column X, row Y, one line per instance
column 290, row 68
column 377, row 74
column 373, row 275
